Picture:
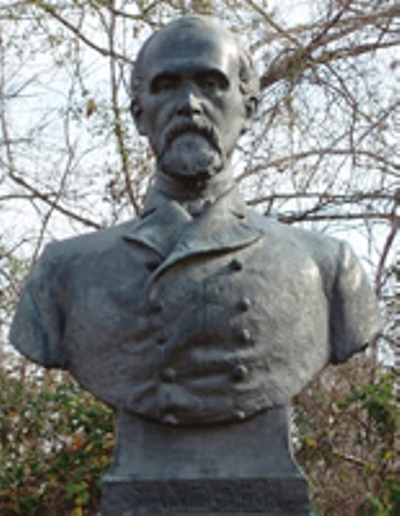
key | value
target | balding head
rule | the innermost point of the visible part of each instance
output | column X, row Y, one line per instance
column 191, row 29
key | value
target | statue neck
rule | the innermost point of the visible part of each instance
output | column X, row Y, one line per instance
column 192, row 189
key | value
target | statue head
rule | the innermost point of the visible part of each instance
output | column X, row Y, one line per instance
column 194, row 92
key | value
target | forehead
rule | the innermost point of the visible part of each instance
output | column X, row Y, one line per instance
column 188, row 49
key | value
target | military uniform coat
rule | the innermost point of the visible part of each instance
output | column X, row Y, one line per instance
column 195, row 321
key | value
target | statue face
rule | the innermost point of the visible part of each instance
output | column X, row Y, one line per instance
column 192, row 109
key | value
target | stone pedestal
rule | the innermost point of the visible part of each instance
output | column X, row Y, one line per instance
column 244, row 468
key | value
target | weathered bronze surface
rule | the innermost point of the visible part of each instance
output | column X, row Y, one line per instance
column 201, row 317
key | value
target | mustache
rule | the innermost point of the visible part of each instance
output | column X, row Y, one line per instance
column 200, row 127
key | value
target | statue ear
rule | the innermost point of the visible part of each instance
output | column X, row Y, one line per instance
column 251, row 105
column 136, row 112
column 251, row 109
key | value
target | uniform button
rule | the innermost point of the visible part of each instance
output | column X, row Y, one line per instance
column 236, row 265
column 240, row 414
column 244, row 304
column 170, row 419
column 245, row 335
column 239, row 372
column 152, row 266
column 156, row 307
column 168, row 375
column 161, row 339
column 195, row 208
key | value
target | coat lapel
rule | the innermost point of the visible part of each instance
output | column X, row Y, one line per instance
column 162, row 222
column 169, row 230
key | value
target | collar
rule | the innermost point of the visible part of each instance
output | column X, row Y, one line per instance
column 230, row 200
column 166, row 228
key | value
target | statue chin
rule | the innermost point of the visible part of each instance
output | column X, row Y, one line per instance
column 191, row 156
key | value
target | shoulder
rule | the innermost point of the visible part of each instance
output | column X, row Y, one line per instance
column 354, row 314
column 88, row 245
column 316, row 245
column 332, row 257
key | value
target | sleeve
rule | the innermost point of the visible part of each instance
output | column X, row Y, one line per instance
column 36, row 330
column 354, row 317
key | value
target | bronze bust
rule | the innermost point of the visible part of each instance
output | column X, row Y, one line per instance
column 201, row 311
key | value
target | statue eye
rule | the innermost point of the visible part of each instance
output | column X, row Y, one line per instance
column 212, row 82
column 164, row 83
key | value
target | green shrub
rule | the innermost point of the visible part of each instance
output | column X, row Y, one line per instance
column 346, row 424
column 56, row 442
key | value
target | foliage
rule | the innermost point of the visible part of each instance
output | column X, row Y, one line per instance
column 56, row 442
column 346, row 426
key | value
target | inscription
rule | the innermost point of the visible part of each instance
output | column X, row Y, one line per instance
column 281, row 496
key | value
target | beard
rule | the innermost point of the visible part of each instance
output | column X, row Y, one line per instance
column 190, row 150
column 191, row 155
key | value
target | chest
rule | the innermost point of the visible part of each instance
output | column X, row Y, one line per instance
column 260, row 283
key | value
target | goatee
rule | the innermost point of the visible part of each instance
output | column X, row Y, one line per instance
column 191, row 155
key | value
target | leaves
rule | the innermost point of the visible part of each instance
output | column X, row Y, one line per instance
column 346, row 440
column 56, row 442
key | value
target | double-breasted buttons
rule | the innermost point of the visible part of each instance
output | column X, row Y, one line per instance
column 156, row 306
column 240, row 414
column 245, row 335
column 239, row 372
column 170, row 419
column 152, row 265
column 168, row 375
column 236, row 265
column 244, row 304
column 161, row 339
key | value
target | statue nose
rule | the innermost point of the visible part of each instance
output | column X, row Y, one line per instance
column 189, row 102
